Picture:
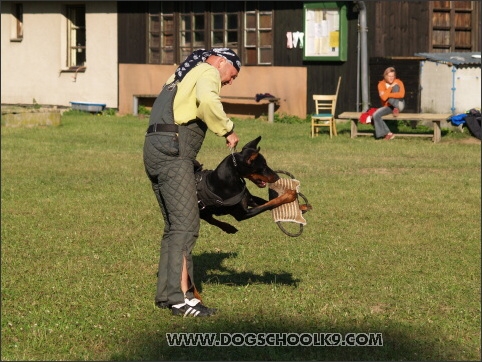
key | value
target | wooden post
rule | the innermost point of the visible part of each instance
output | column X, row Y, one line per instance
column 437, row 132
column 135, row 105
column 354, row 128
column 271, row 111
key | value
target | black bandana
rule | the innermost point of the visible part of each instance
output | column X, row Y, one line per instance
column 200, row 55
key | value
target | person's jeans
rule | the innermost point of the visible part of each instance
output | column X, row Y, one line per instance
column 381, row 128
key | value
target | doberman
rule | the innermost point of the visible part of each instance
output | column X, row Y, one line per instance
column 223, row 191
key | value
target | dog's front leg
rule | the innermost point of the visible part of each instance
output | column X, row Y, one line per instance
column 246, row 213
column 224, row 226
column 256, row 201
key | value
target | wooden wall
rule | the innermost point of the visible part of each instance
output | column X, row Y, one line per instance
column 322, row 76
column 397, row 28
column 132, row 32
column 396, row 31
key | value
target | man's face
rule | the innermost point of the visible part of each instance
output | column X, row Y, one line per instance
column 227, row 71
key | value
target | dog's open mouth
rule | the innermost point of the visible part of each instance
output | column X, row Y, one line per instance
column 260, row 183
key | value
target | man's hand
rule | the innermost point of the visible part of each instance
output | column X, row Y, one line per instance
column 232, row 140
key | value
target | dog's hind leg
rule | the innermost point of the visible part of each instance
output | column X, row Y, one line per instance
column 224, row 226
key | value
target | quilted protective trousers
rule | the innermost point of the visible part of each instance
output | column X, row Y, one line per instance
column 168, row 161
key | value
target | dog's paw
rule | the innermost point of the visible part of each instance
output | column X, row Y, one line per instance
column 229, row 229
column 290, row 196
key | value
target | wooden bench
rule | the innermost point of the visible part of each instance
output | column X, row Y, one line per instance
column 271, row 102
column 436, row 118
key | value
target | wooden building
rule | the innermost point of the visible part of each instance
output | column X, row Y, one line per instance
column 396, row 31
column 111, row 51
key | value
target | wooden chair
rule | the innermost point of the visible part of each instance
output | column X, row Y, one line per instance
column 325, row 106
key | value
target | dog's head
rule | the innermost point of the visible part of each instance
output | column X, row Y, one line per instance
column 252, row 165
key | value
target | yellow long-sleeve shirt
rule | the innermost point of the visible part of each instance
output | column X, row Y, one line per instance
column 198, row 97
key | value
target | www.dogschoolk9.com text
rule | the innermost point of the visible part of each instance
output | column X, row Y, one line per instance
column 274, row 339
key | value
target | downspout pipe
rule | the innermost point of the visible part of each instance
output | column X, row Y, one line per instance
column 357, row 104
column 454, row 88
column 362, row 19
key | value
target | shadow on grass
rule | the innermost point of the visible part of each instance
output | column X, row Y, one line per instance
column 407, row 126
column 400, row 342
column 208, row 267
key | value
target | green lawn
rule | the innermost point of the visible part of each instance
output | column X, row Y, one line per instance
column 392, row 246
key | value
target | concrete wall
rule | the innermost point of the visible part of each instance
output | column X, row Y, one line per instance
column 34, row 68
column 448, row 89
column 287, row 83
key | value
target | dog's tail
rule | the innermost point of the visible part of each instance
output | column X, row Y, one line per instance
column 196, row 294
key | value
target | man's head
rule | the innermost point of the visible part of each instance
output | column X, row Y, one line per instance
column 227, row 70
column 229, row 55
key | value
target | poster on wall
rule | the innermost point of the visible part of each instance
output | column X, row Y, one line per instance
column 325, row 27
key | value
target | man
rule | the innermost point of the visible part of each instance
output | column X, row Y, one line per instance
column 188, row 105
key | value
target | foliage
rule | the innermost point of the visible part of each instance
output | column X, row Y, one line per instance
column 109, row 112
column 35, row 104
column 288, row 119
column 76, row 113
column 143, row 110
column 392, row 246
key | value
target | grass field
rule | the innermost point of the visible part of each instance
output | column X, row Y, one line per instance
column 392, row 246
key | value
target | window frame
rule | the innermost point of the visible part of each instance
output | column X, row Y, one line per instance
column 73, row 13
column 16, row 31
column 191, row 34
column 225, row 30
column 161, row 37
column 233, row 22
column 446, row 29
column 260, row 49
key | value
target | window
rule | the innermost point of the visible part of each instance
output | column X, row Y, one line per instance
column 161, row 33
column 17, row 22
column 453, row 26
column 176, row 29
column 192, row 24
column 258, row 36
column 224, row 29
column 76, row 47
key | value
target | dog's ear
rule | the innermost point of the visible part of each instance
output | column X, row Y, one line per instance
column 253, row 144
column 252, row 157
